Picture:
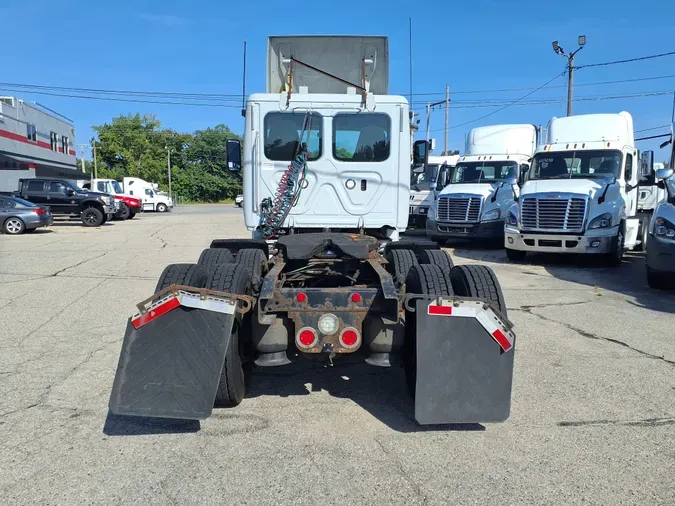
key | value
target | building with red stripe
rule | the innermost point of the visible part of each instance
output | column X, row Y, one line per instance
column 35, row 142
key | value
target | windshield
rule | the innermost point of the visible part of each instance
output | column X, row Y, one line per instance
column 484, row 172
column 116, row 186
column 420, row 179
column 597, row 164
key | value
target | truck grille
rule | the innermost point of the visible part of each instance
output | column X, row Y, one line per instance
column 565, row 214
column 466, row 209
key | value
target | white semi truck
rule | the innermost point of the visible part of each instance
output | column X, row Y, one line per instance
column 581, row 191
column 422, row 179
column 153, row 199
column 661, row 243
column 483, row 184
column 326, row 169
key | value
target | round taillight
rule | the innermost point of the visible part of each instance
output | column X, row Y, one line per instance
column 349, row 338
column 356, row 297
column 306, row 338
column 301, row 297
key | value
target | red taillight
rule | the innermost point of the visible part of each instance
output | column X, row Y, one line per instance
column 306, row 338
column 356, row 297
column 349, row 338
column 301, row 297
column 40, row 211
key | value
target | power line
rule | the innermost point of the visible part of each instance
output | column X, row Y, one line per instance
column 652, row 128
column 629, row 60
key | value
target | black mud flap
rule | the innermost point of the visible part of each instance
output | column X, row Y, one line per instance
column 465, row 354
column 170, row 366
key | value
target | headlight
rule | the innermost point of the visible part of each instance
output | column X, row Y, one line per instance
column 492, row 215
column 511, row 219
column 664, row 228
column 602, row 221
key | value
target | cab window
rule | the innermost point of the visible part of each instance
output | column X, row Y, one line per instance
column 57, row 187
column 149, row 192
column 362, row 137
column 285, row 130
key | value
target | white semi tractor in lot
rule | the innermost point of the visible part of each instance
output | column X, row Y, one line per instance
column 661, row 243
column 581, row 191
column 153, row 199
column 483, row 184
column 326, row 172
column 422, row 179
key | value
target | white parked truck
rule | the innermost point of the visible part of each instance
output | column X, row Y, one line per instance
column 661, row 243
column 153, row 199
column 326, row 170
column 483, row 184
column 422, row 179
column 581, row 191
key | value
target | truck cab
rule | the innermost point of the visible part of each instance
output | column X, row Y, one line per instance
column 357, row 140
column 152, row 198
column 483, row 185
column 129, row 205
column 581, row 192
column 661, row 241
column 423, row 180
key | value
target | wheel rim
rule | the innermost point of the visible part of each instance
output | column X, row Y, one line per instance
column 13, row 226
column 90, row 218
column 161, row 208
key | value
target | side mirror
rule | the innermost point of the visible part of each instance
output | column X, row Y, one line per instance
column 511, row 181
column 646, row 163
column 421, row 153
column 233, row 149
column 524, row 169
column 663, row 174
column 70, row 192
column 661, row 184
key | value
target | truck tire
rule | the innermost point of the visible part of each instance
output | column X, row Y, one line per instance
column 92, row 217
column 182, row 274
column 425, row 279
column 255, row 261
column 131, row 215
column 235, row 279
column 161, row 208
column 401, row 260
column 659, row 280
column 123, row 213
column 644, row 235
column 615, row 256
column 515, row 255
column 213, row 257
column 437, row 257
column 478, row 282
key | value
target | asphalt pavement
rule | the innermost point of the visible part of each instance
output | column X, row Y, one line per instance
column 592, row 419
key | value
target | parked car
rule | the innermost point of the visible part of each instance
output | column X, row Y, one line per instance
column 129, row 205
column 239, row 201
column 18, row 215
column 66, row 199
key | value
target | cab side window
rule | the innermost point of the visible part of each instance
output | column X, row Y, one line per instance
column 149, row 193
column 57, row 187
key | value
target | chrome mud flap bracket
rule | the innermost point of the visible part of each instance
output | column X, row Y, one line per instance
column 173, row 353
column 464, row 354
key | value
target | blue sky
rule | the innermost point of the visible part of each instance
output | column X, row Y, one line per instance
column 195, row 47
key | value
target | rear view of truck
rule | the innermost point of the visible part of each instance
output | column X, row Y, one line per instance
column 326, row 180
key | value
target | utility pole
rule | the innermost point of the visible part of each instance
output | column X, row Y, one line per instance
column 426, row 135
column 570, row 68
column 168, row 166
column 447, row 112
column 82, row 146
column 93, row 144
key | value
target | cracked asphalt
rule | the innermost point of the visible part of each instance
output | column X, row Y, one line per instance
column 592, row 419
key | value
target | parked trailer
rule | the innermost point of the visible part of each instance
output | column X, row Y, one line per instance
column 321, row 278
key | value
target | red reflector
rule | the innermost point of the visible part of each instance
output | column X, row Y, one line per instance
column 502, row 340
column 440, row 310
column 356, row 297
column 307, row 337
column 39, row 211
column 349, row 338
column 301, row 297
column 164, row 308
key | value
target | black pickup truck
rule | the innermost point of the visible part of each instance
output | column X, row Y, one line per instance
column 66, row 199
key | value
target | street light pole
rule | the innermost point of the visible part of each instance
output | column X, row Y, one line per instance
column 570, row 69
column 168, row 166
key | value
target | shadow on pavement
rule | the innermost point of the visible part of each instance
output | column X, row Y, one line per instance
column 142, row 426
column 630, row 278
column 380, row 391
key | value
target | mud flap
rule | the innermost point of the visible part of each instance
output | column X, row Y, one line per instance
column 172, row 357
column 464, row 354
